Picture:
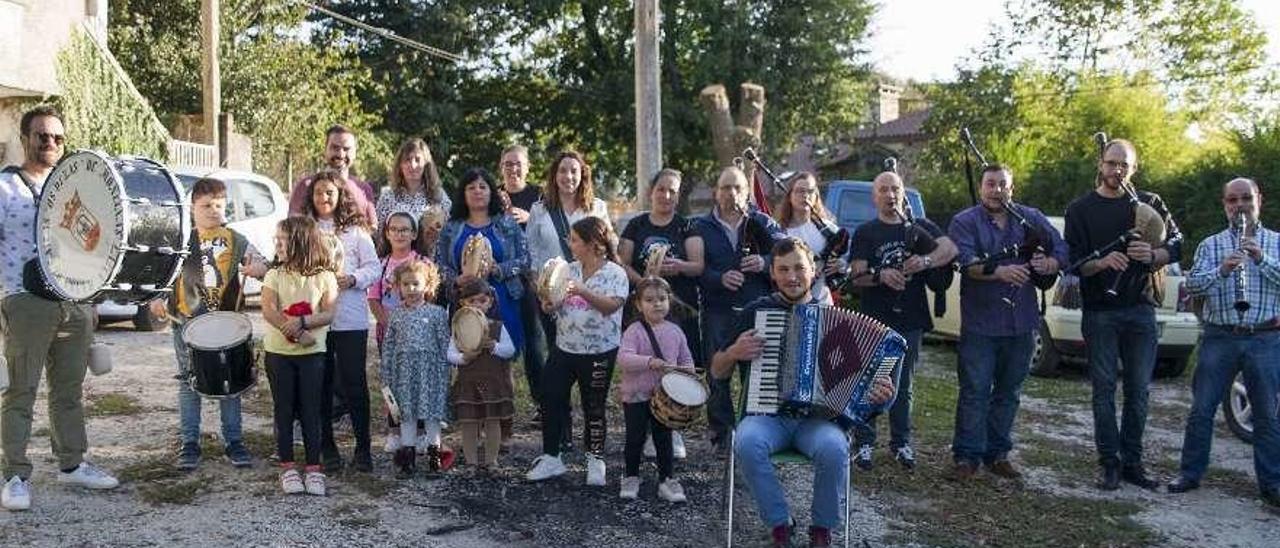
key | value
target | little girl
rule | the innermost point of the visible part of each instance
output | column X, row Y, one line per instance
column 413, row 362
column 396, row 247
column 297, row 302
column 482, row 392
column 649, row 347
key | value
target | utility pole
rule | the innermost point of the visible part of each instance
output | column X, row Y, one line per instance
column 648, row 99
column 210, row 80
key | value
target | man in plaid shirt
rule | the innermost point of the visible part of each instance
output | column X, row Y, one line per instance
column 1234, row 339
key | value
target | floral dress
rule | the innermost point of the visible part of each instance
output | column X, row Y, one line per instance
column 413, row 360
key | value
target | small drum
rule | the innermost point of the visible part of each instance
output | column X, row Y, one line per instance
column 678, row 399
column 433, row 218
column 470, row 329
column 111, row 228
column 221, row 347
column 553, row 282
column 477, row 256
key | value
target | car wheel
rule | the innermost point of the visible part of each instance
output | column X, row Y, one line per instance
column 1044, row 357
column 145, row 320
column 1235, row 407
column 1170, row 368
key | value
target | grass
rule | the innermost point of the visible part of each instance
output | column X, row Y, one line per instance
column 112, row 404
column 1070, row 391
column 988, row 511
column 159, row 482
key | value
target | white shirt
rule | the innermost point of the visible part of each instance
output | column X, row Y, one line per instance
column 813, row 237
column 360, row 259
column 580, row 328
column 17, row 231
column 544, row 241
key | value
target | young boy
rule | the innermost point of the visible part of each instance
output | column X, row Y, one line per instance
column 209, row 280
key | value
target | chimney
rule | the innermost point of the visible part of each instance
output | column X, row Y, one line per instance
column 885, row 103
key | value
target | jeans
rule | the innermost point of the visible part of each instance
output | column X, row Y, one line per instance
column 52, row 338
column 593, row 373
column 759, row 436
column 900, row 412
column 717, row 326
column 640, row 423
column 1222, row 354
column 344, row 373
column 991, row 373
column 296, row 387
column 189, row 400
column 1125, row 335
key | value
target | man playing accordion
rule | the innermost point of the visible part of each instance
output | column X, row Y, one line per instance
column 757, row 437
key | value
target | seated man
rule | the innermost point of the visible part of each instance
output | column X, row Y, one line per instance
column 759, row 436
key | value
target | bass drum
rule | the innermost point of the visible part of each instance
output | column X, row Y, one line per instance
column 111, row 228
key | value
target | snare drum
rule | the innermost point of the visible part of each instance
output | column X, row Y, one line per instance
column 678, row 399
column 111, row 228
column 221, row 349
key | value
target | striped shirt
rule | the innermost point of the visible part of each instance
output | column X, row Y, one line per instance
column 1262, row 292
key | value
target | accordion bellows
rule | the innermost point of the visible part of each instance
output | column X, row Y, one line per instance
column 821, row 361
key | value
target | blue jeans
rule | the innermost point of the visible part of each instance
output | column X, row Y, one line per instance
column 991, row 373
column 1222, row 354
column 1125, row 335
column 758, row 436
column 189, row 400
column 717, row 326
column 900, row 412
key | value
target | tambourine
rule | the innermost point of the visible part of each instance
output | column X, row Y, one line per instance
column 553, row 282
column 657, row 255
column 477, row 256
column 470, row 329
column 434, row 217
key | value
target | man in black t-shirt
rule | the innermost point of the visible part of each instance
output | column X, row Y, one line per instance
column 514, row 166
column 757, row 437
column 1121, row 326
column 890, row 265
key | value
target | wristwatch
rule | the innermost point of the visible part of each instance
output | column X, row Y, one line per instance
column 928, row 262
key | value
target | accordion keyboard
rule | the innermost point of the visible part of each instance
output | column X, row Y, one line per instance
column 764, row 394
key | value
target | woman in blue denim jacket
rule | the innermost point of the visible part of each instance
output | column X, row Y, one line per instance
column 477, row 209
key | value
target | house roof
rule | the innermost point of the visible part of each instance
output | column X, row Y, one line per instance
column 907, row 126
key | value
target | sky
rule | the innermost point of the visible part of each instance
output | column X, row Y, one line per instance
column 907, row 45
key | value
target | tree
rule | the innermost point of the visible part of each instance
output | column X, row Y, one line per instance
column 281, row 89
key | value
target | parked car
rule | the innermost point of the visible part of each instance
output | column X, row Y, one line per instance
column 850, row 203
column 1178, row 328
column 255, row 204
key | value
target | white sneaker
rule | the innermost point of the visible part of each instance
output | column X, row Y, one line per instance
column 392, row 444
column 291, row 482
column 16, row 495
column 650, row 452
column 630, row 487
column 88, row 475
column 671, row 491
column 677, row 446
column 314, row 483
column 546, row 467
column 595, row 471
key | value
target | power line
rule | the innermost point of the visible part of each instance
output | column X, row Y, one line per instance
column 429, row 50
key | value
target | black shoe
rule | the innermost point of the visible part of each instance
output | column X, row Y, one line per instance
column 1137, row 475
column 1271, row 497
column 1110, row 477
column 1182, row 485
column 189, row 456
column 405, row 460
column 363, row 461
column 239, row 455
column 433, row 458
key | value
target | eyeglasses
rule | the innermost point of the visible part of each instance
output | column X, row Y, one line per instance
column 1111, row 164
column 512, row 165
column 400, row 230
column 57, row 138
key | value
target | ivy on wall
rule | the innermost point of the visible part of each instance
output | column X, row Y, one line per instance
column 98, row 108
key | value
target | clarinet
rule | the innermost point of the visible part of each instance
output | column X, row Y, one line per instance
column 1241, row 274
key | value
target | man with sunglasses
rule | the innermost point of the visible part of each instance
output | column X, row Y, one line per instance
column 41, row 336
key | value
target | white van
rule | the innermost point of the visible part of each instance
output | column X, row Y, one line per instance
column 1178, row 328
column 255, row 204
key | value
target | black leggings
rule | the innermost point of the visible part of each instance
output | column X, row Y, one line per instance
column 344, row 364
column 593, row 373
column 534, row 342
column 640, row 423
column 295, row 387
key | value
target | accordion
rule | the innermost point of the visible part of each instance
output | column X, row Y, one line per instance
column 821, row 361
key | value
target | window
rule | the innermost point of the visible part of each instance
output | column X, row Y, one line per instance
column 255, row 198
column 855, row 208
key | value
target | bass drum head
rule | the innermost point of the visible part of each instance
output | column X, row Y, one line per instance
column 217, row 330
column 81, row 225
column 684, row 389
